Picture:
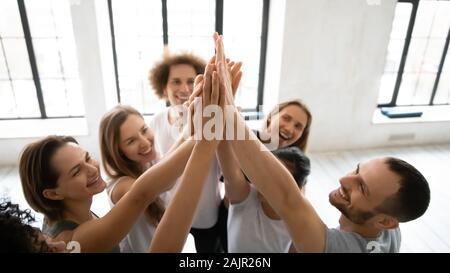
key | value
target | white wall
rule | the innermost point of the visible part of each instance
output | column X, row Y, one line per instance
column 332, row 57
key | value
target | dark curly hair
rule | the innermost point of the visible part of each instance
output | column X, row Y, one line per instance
column 16, row 233
column 159, row 74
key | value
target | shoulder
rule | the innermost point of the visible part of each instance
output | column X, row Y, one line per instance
column 122, row 186
column 342, row 241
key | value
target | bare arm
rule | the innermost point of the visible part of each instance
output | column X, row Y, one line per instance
column 101, row 235
column 236, row 186
column 171, row 233
column 273, row 180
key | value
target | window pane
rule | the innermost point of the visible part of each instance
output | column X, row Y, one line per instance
column 75, row 98
column 139, row 43
column 26, row 100
column 48, row 58
column 243, row 43
column 41, row 18
column 10, row 24
column 191, row 25
column 54, row 47
column 401, row 20
column 424, row 88
column 443, row 90
column 387, row 85
column 394, row 55
column 7, row 103
column 3, row 69
column 407, row 88
column 17, row 58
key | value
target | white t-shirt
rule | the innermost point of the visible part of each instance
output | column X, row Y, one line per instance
column 139, row 238
column 251, row 230
column 207, row 211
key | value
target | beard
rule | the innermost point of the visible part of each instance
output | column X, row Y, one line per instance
column 356, row 216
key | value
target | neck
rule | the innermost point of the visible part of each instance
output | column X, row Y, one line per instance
column 173, row 116
column 363, row 230
column 78, row 211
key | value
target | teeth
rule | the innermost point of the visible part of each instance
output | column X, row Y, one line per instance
column 284, row 136
column 341, row 192
column 146, row 152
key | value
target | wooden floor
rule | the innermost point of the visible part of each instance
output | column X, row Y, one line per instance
column 430, row 233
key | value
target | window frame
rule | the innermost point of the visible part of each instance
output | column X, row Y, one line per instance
column 410, row 29
column 34, row 69
column 219, row 28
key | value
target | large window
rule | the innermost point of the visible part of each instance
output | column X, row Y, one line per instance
column 417, row 70
column 141, row 30
column 38, row 67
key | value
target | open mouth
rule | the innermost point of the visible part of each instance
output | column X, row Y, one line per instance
column 146, row 152
column 284, row 136
column 183, row 97
column 343, row 195
column 93, row 181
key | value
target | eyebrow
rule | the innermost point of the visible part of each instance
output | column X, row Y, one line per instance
column 86, row 155
column 366, row 188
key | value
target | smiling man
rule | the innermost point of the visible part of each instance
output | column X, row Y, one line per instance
column 373, row 199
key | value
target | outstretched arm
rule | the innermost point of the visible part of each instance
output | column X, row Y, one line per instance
column 101, row 235
column 273, row 180
column 236, row 186
column 172, row 232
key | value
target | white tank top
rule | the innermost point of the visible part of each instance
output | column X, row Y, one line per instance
column 251, row 230
column 207, row 210
column 139, row 238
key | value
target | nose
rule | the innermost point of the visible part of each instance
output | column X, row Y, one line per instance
column 91, row 168
column 144, row 141
column 347, row 183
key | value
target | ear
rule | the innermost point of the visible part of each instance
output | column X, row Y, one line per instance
column 52, row 194
column 165, row 93
column 386, row 222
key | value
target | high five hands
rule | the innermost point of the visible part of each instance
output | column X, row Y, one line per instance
column 217, row 86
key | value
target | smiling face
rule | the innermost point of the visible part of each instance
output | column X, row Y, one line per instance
column 137, row 140
column 79, row 175
column 180, row 83
column 291, row 122
column 365, row 189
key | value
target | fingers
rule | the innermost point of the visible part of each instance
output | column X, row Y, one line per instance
column 215, row 89
column 198, row 88
column 207, row 84
column 236, row 68
column 236, row 80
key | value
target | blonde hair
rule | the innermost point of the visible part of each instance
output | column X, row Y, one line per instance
column 115, row 163
column 302, row 142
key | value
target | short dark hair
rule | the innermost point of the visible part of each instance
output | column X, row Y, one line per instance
column 16, row 233
column 413, row 197
column 296, row 162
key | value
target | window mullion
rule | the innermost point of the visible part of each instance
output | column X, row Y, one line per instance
column 31, row 56
column 405, row 53
column 441, row 65
column 114, row 52
column 263, row 52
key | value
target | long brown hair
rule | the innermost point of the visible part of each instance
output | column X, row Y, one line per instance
column 37, row 174
column 302, row 142
column 115, row 163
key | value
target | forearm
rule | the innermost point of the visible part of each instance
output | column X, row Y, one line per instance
column 171, row 233
column 163, row 175
column 236, row 186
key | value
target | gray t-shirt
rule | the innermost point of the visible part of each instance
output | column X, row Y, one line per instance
column 339, row 241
